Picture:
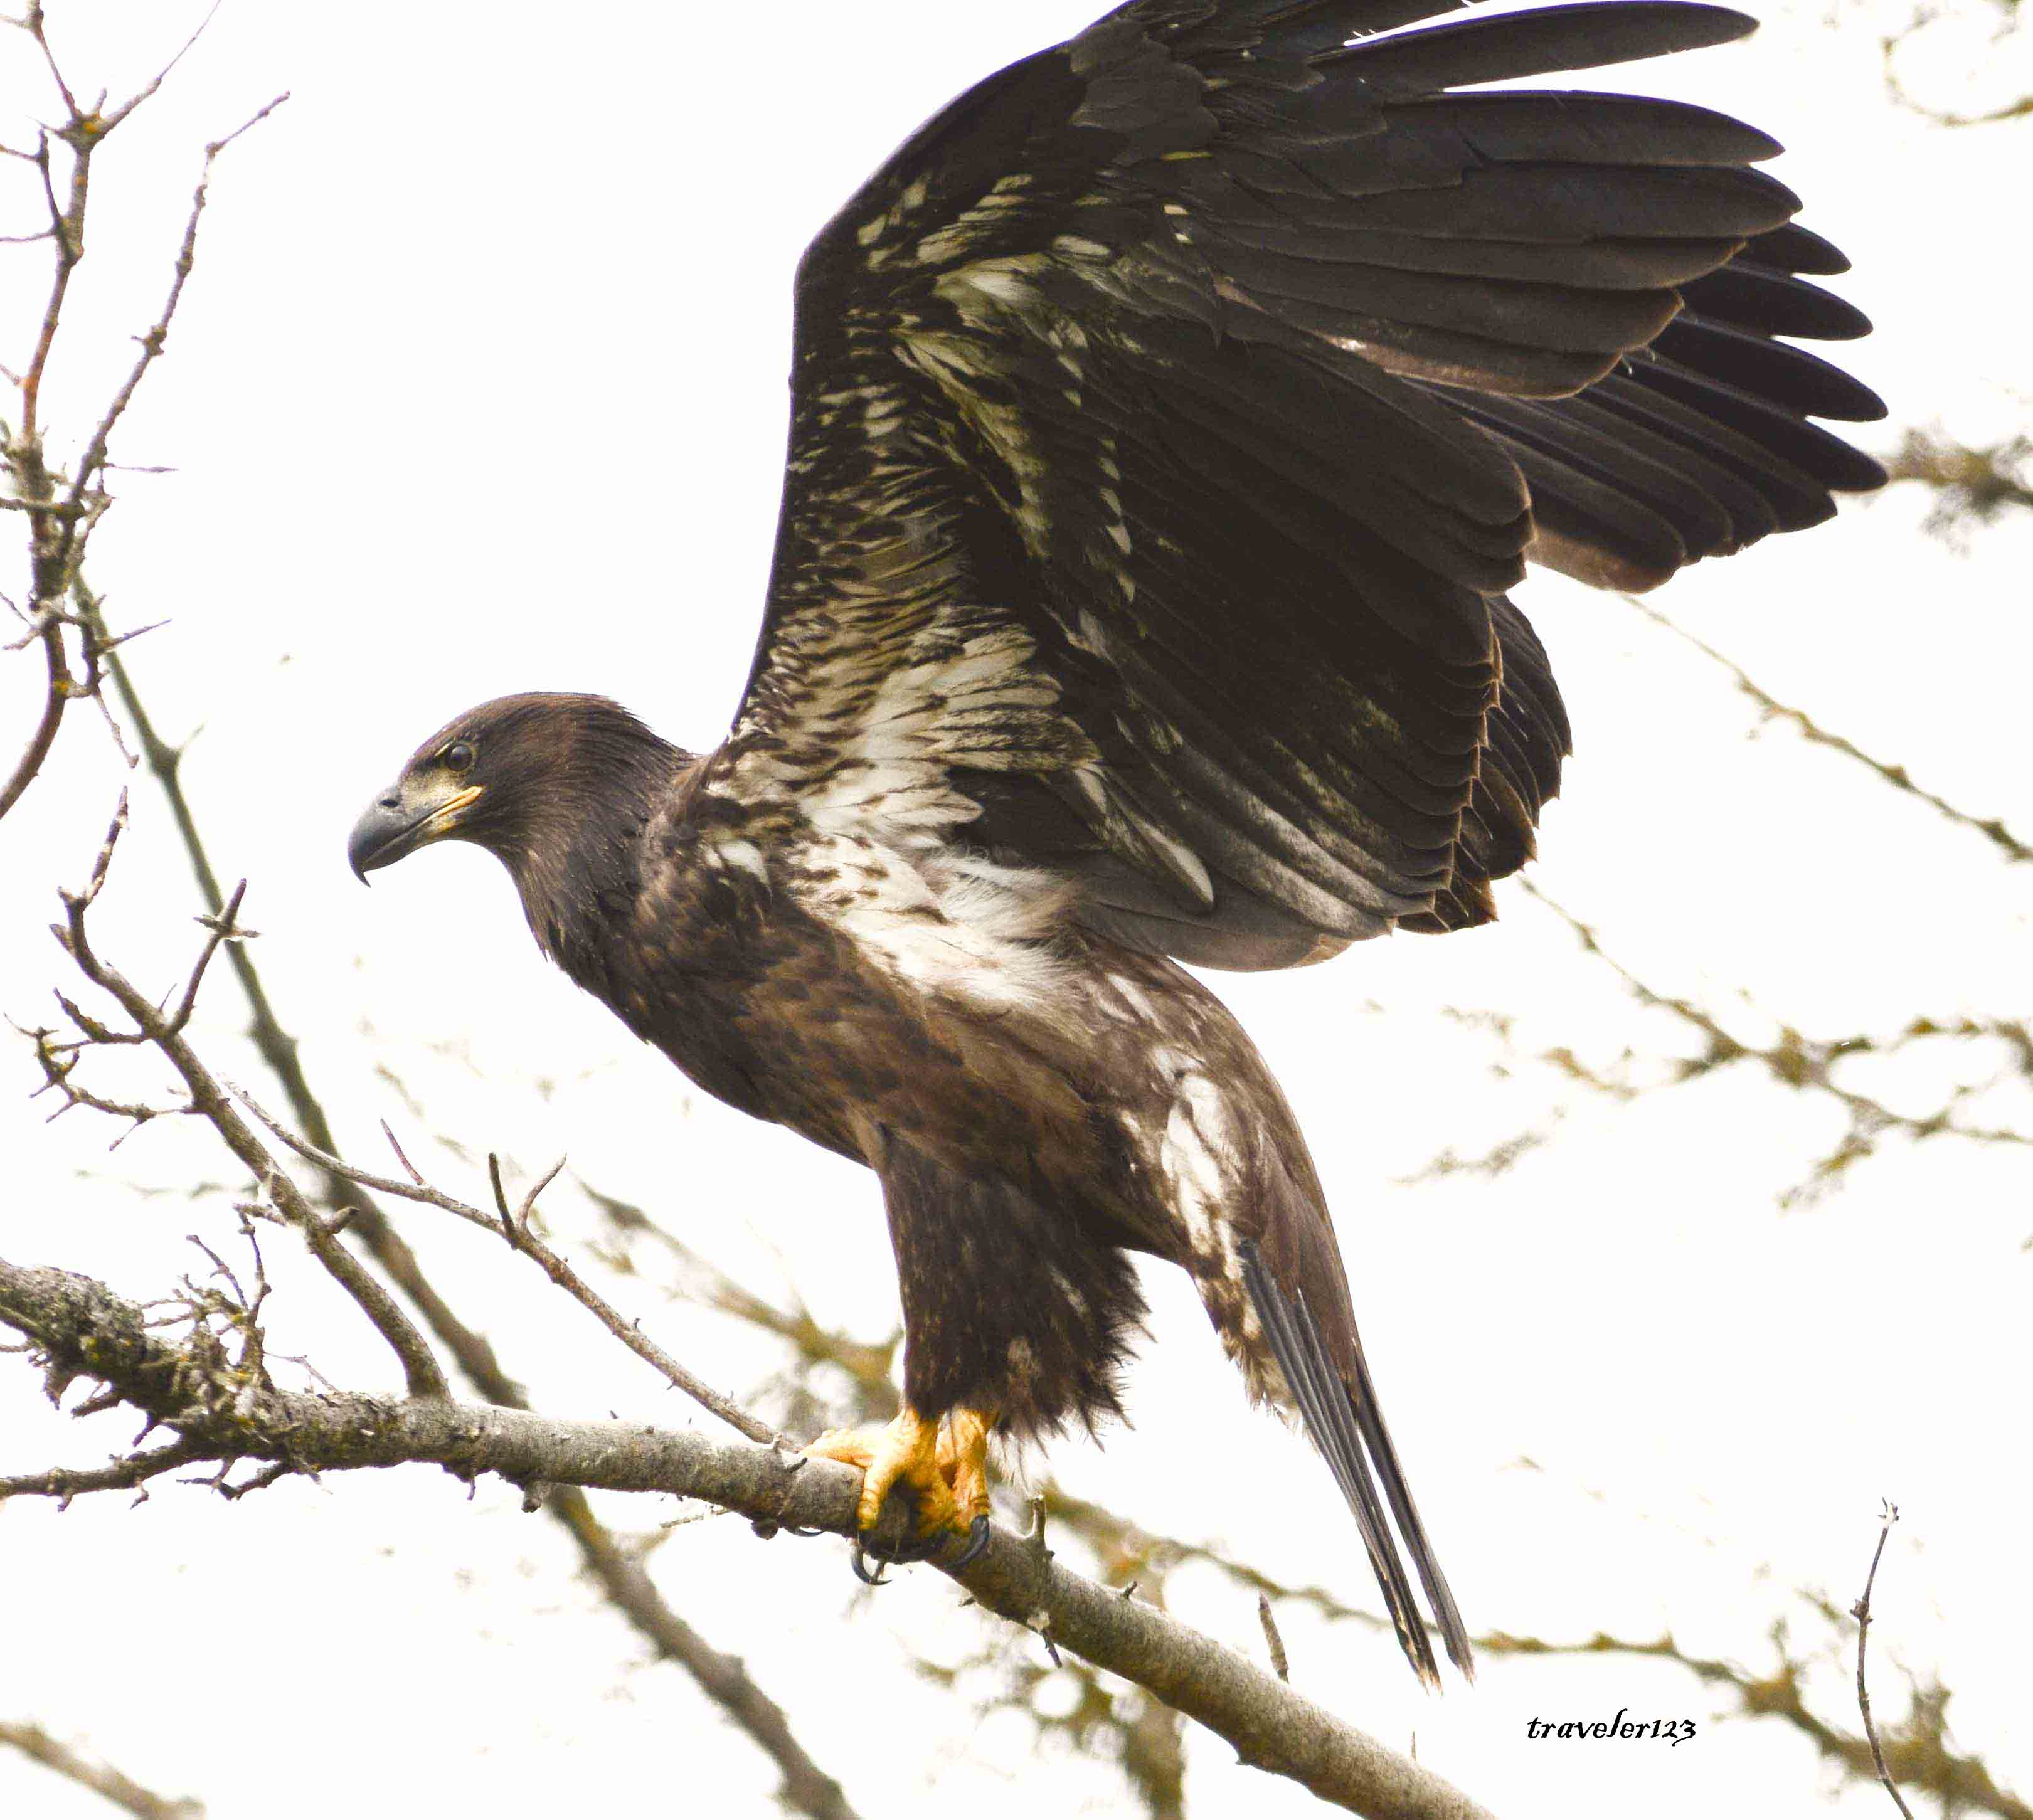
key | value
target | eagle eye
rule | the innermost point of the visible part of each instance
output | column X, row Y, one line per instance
column 458, row 758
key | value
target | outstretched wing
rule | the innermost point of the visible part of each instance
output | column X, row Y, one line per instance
column 1172, row 413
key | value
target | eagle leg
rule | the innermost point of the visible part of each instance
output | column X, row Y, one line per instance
column 945, row 1466
column 964, row 1460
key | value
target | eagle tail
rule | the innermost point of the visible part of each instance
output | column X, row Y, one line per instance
column 1342, row 1415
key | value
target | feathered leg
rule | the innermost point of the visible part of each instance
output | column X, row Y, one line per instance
column 1016, row 1319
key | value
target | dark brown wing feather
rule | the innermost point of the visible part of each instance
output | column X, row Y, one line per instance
column 1172, row 414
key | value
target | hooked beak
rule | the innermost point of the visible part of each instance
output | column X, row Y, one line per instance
column 401, row 820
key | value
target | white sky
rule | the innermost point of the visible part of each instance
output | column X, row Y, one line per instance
column 479, row 387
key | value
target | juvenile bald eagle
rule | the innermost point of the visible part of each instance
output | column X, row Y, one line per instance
column 1170, row 415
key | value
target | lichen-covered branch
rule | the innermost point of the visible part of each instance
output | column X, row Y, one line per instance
column 196, row 1387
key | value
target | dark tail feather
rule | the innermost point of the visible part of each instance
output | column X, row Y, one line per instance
column 1346, row 1425
column 1369, row 1415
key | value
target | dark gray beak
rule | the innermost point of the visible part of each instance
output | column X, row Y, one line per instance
column 399, row 821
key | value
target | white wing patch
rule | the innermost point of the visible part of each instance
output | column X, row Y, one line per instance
column 880, row 866
column 965, row 932
column 1196, row 1153
column 892, row 692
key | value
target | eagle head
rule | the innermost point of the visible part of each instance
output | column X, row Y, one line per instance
column 509, row 775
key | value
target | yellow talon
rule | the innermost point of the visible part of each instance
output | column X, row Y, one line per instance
column 850, row 1446
column 964, row 1460
column 945, row 1465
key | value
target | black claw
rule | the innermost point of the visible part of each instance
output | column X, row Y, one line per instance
column 859, row 1559
column 977, row 1540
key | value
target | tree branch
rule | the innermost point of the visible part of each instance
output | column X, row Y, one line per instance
column 101, row 1779
column 514, row 1224
column 84, row 1329
column 1861, row 1612
column 127, row 1474
column 1993, row 830
column 723, row 1678
column 1971, row 485
column 1129, row 1554
column 56, row 698
column 1798, row 1061
column 62, row 514
column 208, row 1101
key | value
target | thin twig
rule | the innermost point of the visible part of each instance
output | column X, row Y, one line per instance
column 64, row 1483
column 1280, row 1663
column 526, row 1241
column 208, row 1101
column 155, row 336
column 36, row 1744
column 1993, row 830
column 1799, row 1061
column 1861, row 1612
column 60, row 527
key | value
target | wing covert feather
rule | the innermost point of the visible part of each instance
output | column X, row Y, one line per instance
column 1172, row 414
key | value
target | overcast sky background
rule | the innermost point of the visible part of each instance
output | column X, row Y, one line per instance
column 479, row 387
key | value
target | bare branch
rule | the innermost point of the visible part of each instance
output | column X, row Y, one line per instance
column 523, row 1238
column 101, row 1779
column 56, row 698
column 1801, row 1062
column 84, row 1329
column 806, row 1786
column 1861, row 1612
column 31, row 22
column 420, row 1366
column 868, row 1363
column 1972, row 486
column 155, row 336
column 1130, row 1554
column 1897, row 775
column 148, row 91
column 208, row 1101
column 60, row 527
column 127, row 1474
